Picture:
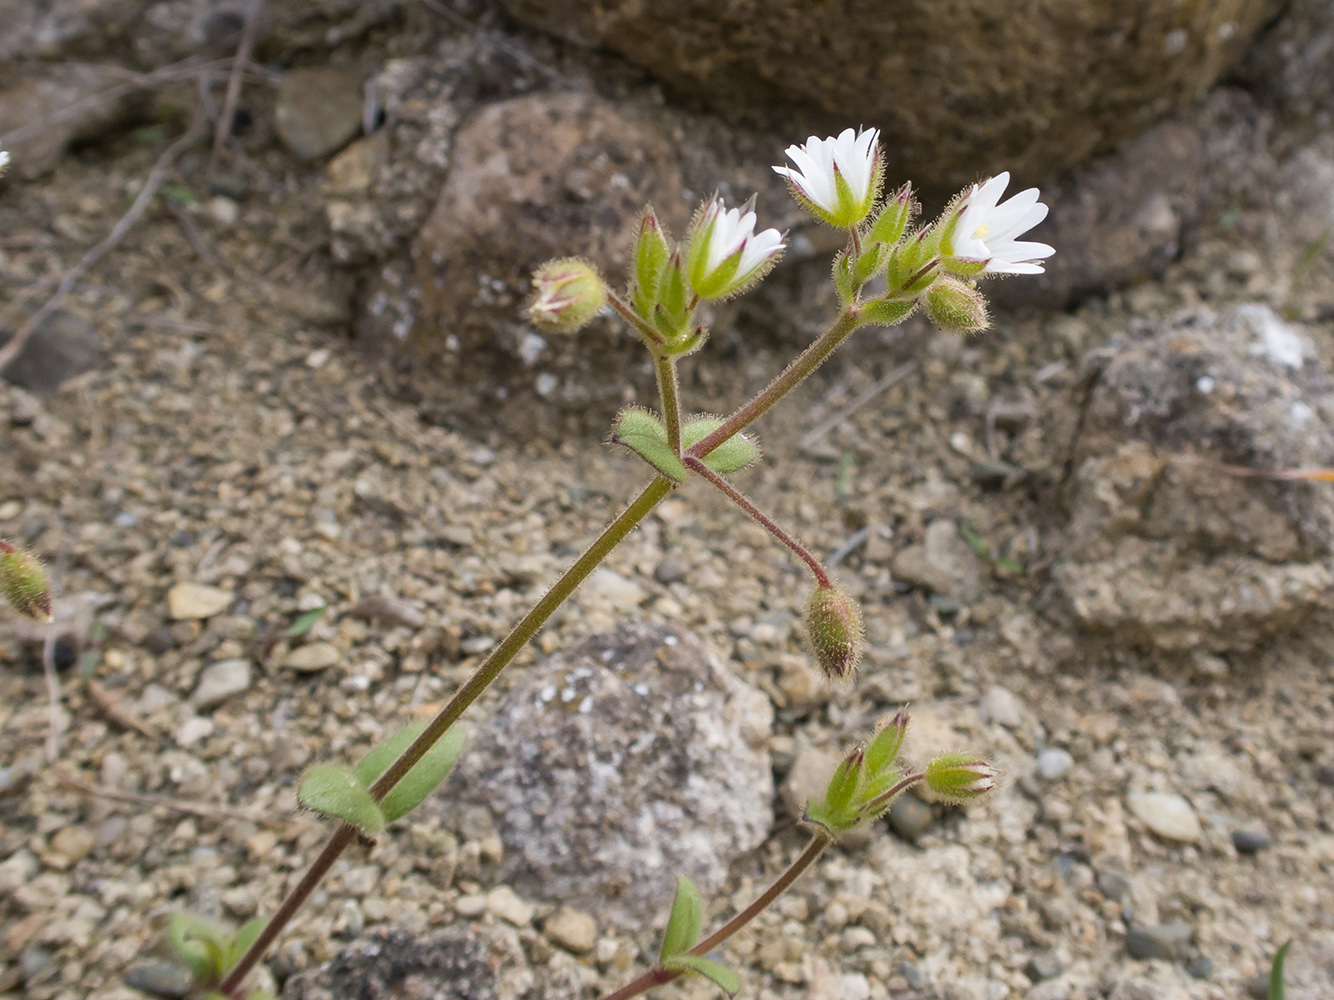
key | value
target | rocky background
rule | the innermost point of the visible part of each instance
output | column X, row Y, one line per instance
column 306, row 383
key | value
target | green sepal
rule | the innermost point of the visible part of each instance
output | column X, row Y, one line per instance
column 335, row 791
column 735, row 453
column 643, row 433
column 894, row 217
column 202, row 946
column 868, row 264
column 843, row 783
column 844, row 281
column 651, row 254
column 884, row 749
column 423, row 777
column 965, row 267
column 720, row 975
column 887, row 312
column 674, row 294
column 684, row 923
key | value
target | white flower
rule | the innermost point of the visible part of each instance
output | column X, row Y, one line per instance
column 4, row 160
column 853, row 159
column 988, row 231
column 726, row 254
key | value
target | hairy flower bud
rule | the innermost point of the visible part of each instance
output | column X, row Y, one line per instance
column 24, row 584
column 569, row 294
column 834, row 624
column 960, row 776
column 956, row 307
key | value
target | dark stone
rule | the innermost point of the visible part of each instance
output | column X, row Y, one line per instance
column 1165, row 941
column 1250, row 841
column 451, row 965
column 1200, row 967
column 913, row 975
column 161, row 979
column 910, row 817
column 672, row 569
column 60, row 348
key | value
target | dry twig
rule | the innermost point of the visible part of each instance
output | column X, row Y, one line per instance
column 111, row 708
column 71, row 277
column 222, row 132
column 825, row 426
column 165, row 801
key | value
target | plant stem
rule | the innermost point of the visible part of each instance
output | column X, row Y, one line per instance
column 765, row 521
column 633, row 318
column 669, row 391
column 806, row 362
column 487, row 672
column 657, row 976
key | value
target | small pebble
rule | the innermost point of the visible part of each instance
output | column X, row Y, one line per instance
column 195, row 601
column 34, row 962
column 1250, row 841
column 505, row 904
column 1168, row 815
column 220, row 681
column 910, row 817
column 70, row 846
column 1201, row 967
column 1054, row 762
column 572, row 929
column 192, row 730
column 672, row 569
column 1166, row 941
column 312, row 657
column 1043, row 965
column 1001, row 706
column 470, row 906
column 160, row 979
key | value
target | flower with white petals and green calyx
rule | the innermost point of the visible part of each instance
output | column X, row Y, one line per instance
column 983, row 237
column 837, row 179
column 4, row 160
column 726, row 255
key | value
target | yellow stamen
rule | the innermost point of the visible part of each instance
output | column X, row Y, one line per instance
column 982, row 231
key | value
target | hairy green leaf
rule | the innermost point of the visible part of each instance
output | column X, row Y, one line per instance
column 719, row 974
column 683, row 925
column 735, row 453
column 644, row 434
column 424, row 777
column 336, row 791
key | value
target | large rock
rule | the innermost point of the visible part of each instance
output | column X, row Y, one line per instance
column 612, row 768
column 958, row 88
column 45, row 109
column 1165, row 549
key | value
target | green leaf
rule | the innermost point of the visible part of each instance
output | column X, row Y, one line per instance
column 379, row 757
column 336, row 791
column 735, row 453
column 304, row 622
column 245, row 937
column 683, row 925
column 1276, row 988
column 719, row 974
column 201, row 945
column 424, row 777
column 644, row 434
column 887, row 312
column 180, row 195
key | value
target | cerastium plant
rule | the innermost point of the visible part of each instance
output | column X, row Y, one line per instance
column 932, row 267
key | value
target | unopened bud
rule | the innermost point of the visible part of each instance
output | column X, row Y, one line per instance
column 960, row 776
column 569, row 294
column 24, row 584
column 834, row 624
column 894, row 217
column 956, row 307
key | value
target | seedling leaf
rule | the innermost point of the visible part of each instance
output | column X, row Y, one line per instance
column 304, row 622
column 335, row 791
column 1276, row 988
column 683, row 925
column 723, row 977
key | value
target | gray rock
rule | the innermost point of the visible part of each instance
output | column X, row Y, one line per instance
column 910, row 818
column 59, row 349
column 1200, row 967
column 1250, row 841
column 1054, row 762
column 1169, row 941
column 614, row 766
column 37, row 965
column 1038, row 90
column 1043, row 965
column 1168, row 815
column 672, row 569
column 1171, row 555
column 49, row 108
column 943, row 563
column 318, row 111
column 220, row 681
column 999, row 705
column 160, row 979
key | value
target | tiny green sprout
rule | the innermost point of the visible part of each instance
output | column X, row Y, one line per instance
column 304, row 622
column 682, row 933
column 422, row 778
column 207, row 948
column 1277, row 989
column 569, row 294
column 24, row 584
column 335, row 791
column 961, row 777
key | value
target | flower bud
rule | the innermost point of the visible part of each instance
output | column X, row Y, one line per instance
column 569, row 294
column 834, row 624
column 956, row 307
column 960, row 776
column 894, row 217
column 651, row 254
column 24, row 584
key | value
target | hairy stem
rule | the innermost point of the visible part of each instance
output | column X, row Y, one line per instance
column 657, row 976
column 764, row 520
column 806, row 362
column 487, row 672
column 651, row 335
column 669, row 391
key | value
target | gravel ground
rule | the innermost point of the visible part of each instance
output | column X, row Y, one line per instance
column 225, row 440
